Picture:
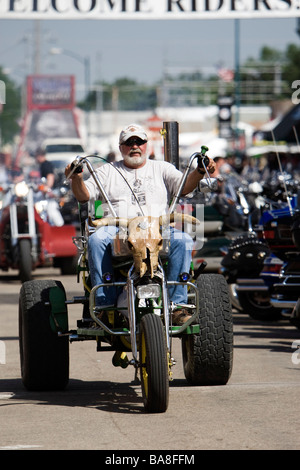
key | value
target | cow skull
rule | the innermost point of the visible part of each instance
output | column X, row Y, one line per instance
column 144, row 237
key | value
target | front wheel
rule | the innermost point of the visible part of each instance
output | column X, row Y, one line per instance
column 44, row 355
column 67, row 265
column 257, row 305
column 207, row 355
column 153, row 364
column 25, row 260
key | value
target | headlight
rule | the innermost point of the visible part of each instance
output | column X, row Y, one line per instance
column 21, row 189
column 148, row 291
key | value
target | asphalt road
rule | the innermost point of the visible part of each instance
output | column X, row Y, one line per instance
column 102, row 407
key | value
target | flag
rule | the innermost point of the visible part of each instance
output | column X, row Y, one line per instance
column 226, row 75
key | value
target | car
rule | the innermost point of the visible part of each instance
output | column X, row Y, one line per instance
column 61, row 151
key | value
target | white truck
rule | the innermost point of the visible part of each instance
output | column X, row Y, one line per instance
column 61, row 151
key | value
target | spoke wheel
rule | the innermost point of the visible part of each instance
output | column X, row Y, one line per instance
column 153, row 364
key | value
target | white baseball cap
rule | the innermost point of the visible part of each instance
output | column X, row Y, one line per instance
column 133, row 130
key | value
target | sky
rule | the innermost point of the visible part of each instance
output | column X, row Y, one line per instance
column 139, row 49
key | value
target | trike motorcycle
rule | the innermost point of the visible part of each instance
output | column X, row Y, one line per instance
column 27, row 239
column 141, row 326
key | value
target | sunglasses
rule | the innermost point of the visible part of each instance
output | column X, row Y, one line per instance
column 134, row 141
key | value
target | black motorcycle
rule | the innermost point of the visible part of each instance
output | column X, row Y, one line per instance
column 253, row 263
column 286, row 292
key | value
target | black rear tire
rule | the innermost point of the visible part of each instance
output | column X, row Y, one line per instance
column 208, row 355
column 44, row 356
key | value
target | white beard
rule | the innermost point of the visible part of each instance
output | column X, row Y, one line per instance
column 134, row 162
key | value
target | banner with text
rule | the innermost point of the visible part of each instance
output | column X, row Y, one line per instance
column 147, row 9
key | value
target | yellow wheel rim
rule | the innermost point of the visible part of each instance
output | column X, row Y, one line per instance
column 144, row 374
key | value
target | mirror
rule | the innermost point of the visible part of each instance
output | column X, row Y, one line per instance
column 208, row 185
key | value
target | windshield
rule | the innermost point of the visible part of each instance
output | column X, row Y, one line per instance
column 60, row 148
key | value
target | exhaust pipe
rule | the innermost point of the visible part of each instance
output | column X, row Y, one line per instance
column 171, row 142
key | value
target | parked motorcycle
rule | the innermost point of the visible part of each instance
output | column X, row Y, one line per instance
column 256, row 288
column 27, row 239
column 143, row 324
column 241, row 266
column 285, row 292
column 226, row 214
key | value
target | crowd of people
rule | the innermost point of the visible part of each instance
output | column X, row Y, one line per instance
column 9, row 173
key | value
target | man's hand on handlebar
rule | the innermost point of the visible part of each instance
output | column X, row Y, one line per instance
column 78, row 186
column 70, row 172
column 207, row 163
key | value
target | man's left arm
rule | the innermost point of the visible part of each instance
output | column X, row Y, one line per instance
column 196, row 175
column 50, row 180
column 49, row 171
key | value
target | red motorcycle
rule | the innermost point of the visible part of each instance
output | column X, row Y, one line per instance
column 27, row 239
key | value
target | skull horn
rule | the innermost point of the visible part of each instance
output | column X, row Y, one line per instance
column 177, row 217
column 108, row 221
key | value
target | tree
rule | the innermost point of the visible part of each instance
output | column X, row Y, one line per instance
column 262, row 80
column 268, row 54
column 124, row 94
column 291, row 69
column 270, row 76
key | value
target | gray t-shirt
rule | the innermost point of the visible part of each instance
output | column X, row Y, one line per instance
column 153, row 185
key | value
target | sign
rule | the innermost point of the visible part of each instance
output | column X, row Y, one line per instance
column 147, row 9
column 50, row 91
column 224, row 117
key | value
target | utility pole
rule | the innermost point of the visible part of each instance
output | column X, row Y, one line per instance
column 298, row 27
column 37, row 48
column 237, row 77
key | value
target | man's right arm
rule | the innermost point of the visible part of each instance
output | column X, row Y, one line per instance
column 78, row 187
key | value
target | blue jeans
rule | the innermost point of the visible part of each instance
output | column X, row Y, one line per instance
column 100, row 262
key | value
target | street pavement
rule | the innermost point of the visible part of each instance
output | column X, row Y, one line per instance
column 102, row 409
